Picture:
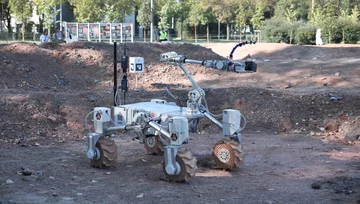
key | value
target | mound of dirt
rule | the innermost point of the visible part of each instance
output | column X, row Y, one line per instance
column 47, row 90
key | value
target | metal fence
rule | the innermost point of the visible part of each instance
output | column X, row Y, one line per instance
column 6, row 37
column 15, row 37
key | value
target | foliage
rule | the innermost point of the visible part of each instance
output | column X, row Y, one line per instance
column 102, row 10
column 5, row 14
column 169, row 10
column 306, row 34
column 292, row 10
column 350, row 30
column 115, row 10
column 144, row 14
column 45, row 8
column 22, row 9
column 87, row 10
column 224, row 10
column 355, row 14
column 276, row 30
column 258, row 18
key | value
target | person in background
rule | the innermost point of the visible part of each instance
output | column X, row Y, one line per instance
column 44, row 37
column 162, row 36
column 58, row 35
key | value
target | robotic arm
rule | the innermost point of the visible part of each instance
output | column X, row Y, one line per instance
column 225, row 65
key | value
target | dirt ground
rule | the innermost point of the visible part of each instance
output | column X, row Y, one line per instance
column 301, row 140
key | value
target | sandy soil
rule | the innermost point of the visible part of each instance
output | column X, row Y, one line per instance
column 301, row 145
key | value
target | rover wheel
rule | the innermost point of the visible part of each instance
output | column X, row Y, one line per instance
column 153, row 145
column 188, row 166
column 108, row 153
column 228, row 154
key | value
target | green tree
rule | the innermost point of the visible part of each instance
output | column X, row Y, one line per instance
column 258, row 18
column 5, row 17
column 355, row 14
column 295, row 9
column 88, row 10
column 206, row 16
column 183, row 13
column 144, row 16
column 194, row 18
column 116, row 10
column 46, row 11
column 168, row 11
column 22, row 9
column 224, row 12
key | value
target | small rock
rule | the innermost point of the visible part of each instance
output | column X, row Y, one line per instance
column 315, row 186
column 222, row 199
column 67, row 198
column 16, row 141
column 314, row 58
column 93, row 181
column 325, row 141
column 337, row 74
column 37, row 144
column 97, row 81
column 26, row 172
column 267, row 60
column 52, row 118
column 325, row 84
column 51, row 177
column 140, row 196
column 285, row 125
column 9, row 181
column 92, row 99
column 79, row 194
column 350, row 142
column 335, row 98
column 352, row 137
column 54, row 60
column 108, row 173
column 54, row 194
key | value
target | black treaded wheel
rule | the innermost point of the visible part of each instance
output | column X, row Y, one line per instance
column 108, row 153
column 228, row 154
column 188, row 166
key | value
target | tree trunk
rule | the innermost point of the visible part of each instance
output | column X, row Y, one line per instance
column 291, row 33
column 9, row 25
column 343, row 36
column 227, row 31
column 144, row 34
column 1, row 19
column 181, row 27
column 23, row 32
column 195, row 34
column 240, row 35
column 207, row 33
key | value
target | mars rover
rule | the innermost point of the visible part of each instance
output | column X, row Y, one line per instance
column 163, row 127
